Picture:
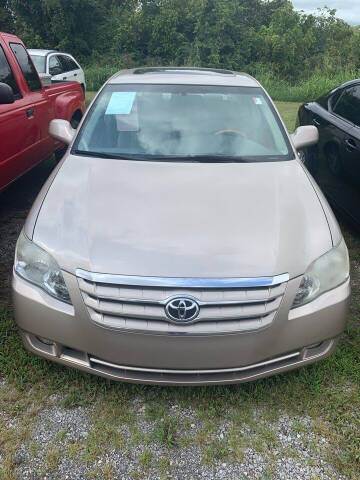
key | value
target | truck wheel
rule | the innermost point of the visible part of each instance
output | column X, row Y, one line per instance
column 309, row 157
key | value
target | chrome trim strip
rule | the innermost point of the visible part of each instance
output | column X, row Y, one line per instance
column 148, row 301
column 169, row 282
column 187, row 333
column 195, row 372
column 158, row 318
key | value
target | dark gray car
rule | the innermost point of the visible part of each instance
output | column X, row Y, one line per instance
column 335, row 161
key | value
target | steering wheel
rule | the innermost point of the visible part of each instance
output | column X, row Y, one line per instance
column 232, row 132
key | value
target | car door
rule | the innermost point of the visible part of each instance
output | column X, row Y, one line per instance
column 78, row 71
column 73, row 70
column 333, row 134
column 351, row 159
column 343, row 189
column 17, row 135
column 331, row 129
column 56, row 69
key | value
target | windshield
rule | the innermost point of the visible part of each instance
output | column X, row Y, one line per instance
column 39, row 62
column 183, row 121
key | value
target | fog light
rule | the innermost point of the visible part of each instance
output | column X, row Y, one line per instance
column 314, row 345
column 45, row 341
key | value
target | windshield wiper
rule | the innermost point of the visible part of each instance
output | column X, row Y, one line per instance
column 200, row 158
column 167, row 158
column 117, row 156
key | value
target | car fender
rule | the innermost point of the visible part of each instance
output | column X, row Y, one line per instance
column 334, row 227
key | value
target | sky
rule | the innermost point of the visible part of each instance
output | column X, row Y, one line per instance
column 348, row 10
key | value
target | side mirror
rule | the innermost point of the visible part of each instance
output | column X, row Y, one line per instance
column 62, row 130
column 6, row 94
column 305, row 136
column 45, row 79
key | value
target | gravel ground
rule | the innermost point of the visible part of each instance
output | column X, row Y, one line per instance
column 56, row 429
column 61, row 440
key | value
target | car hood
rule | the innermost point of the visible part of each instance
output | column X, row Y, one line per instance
column 182, row 219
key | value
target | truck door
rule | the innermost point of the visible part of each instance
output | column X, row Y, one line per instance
column 17, row 137
column 39, row 111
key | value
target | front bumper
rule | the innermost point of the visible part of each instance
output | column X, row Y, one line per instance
column 179, row 359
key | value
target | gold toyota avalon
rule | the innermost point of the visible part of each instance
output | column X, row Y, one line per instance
column 181, row 240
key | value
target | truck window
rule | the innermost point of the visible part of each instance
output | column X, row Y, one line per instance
column 26, row 66
column 6, row 74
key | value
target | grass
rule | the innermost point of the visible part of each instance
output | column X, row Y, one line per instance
column 279, row 89
column 306, row 90
column 97, row 76
column 288, row 112
column 327, row 392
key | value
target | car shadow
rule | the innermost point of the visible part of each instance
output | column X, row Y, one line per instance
column 15, row 203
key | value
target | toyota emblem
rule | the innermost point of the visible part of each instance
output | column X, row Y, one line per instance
column 182, row 309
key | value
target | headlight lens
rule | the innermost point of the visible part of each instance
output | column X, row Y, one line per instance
column 326, row 273
column 35, row 265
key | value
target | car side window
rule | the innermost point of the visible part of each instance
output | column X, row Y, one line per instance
column 335, row 98
column 6, row 74
column 348, row 106
column 72, row 64
column 55, row 67
column 27, row 67
column 65, row 63
column 324, row 101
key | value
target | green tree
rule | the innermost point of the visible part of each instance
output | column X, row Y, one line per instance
column 6, row 18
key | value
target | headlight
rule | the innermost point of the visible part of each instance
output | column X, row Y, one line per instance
column 326, row 273
column 35, row 265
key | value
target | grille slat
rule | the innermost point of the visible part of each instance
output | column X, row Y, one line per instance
column 156, row 312
column 142, row 308
column 200, row 328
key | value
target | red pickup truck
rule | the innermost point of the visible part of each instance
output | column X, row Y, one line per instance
column 26, row 109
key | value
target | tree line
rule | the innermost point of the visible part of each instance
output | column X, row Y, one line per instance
column 250, row 35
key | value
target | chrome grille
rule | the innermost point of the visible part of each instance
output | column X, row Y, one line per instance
column 138, row 304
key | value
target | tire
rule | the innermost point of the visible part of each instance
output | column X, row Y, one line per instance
column 309, row 157
column 334, row 162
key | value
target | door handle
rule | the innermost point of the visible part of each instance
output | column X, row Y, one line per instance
column 351, row 145
column 75, row 74
column 64, row 78
column 30, row 112
column 316, row 122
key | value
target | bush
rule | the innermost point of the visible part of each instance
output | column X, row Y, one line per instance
column 280, row 90
column 305, row 90
column 96, row 76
